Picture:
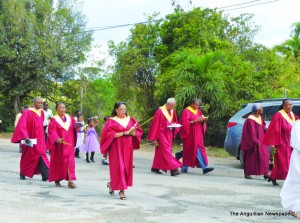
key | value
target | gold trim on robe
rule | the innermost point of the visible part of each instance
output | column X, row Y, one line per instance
column 166, row 113
column 36, row 111
column 258, row 120
column 286, row 117
column 122, row 121
column 65, row 125
column 194, row 111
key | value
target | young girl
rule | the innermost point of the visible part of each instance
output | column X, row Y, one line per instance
column 91, row 143
column 80, row 135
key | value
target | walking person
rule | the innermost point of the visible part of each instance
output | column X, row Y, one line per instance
column 278, row 137
column 255, row 155
column 192, row 131
column 61, row 142
column 48, row 114
column 121, row 134
column 161, row 136
column 80, row 135
column 30, row 133
column 90, row 143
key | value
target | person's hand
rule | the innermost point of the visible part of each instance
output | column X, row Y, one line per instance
column 155, row 143
column 27, row 140
column 133, row 133
column 60, row 141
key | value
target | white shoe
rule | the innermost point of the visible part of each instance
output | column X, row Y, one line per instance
column 104, row 161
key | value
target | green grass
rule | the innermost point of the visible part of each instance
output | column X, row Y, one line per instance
column 5, row 135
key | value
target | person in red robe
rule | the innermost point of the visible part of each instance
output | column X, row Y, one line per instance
column 61, row 142
column 255, row 155
column 192, row 131
column 30, row 128
column 162, row 138
column 278, row 137
column 120, row 135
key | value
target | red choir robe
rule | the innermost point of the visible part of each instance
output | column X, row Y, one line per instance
column 278, row 134
column 120, row 150
column 62, row 159
column 163, row 157
column 255, row 155
column 192, row 137
column 31, row 125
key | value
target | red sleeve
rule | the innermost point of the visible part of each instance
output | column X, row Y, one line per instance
column 21, row 131
column 136, row 140
column 175, row 120
column 273, row 134
column 52, row 134
column 249, row 135
column 155, row 126
column 107, row 136
column 185, row 122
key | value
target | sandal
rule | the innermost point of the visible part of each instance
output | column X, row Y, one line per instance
column 294, row 214
column 122, row 195
column 71, row 185
column 111, row 191
column 57, row 183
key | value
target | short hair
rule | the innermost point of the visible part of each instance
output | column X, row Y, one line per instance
column 36, row 98
column 195, row 100
column 45, row 103
column 171, row 101
column 57, row 104
column 256, row 107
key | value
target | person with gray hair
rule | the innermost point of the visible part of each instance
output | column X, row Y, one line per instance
column 255, row 154
column 30, row 133
column 161, row 135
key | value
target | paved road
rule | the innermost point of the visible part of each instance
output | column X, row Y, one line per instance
column 220, row 196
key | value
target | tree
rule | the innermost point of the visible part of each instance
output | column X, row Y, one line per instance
column 38, row 45
column 136, row 67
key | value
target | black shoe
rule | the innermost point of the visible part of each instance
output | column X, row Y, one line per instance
column 248, row 177
column 155, row 171
column 179, row 155
column 273, row 181
column 87, row 158
column 22, row 177
column 92, row 157
column 104, row 161
column 207, row 170
column 266, row 177
column 174, row 172
column 44, row 178
column 77, row 153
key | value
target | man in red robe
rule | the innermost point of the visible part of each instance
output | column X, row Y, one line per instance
column 192, row 131
column 162, row 138
column 255, row 155
column 29, row 129
column 61, row 142
column 278, row 137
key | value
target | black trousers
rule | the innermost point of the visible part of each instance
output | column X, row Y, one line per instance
column 43, row 168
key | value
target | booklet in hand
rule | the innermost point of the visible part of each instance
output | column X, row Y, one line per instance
column 79, row 124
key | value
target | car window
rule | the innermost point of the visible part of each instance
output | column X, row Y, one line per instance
column 296, row 110
column 269, row 111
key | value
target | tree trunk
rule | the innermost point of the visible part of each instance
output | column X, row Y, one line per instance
column 16, row 102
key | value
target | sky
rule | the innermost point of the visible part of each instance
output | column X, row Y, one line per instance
column 275, row 17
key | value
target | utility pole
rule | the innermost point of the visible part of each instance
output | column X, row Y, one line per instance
column 284, row 92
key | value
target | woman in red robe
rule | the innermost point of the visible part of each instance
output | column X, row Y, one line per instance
column 278, row 137
column 191, row 133
column 255, row 155
column 61, row 142
column 121, row 134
